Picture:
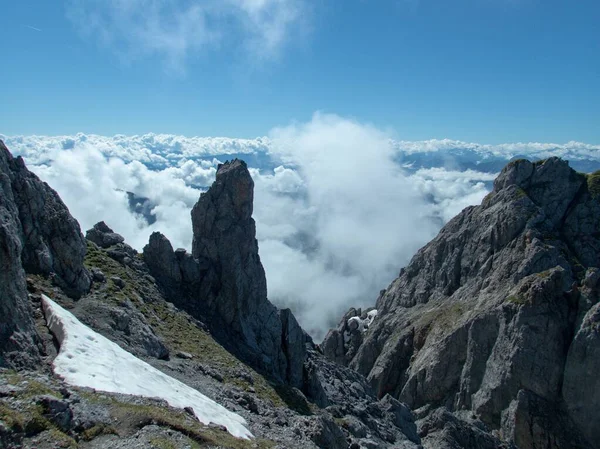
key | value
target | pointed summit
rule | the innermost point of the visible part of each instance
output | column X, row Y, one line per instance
column 223, row 280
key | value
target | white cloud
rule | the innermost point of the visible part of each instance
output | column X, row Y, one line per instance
column 451, row 191
column 156, row 150
column 569, row 150
column 94, row 188
column 353, row 222
column 179, row 30
column 162, row 150
column 337, row 215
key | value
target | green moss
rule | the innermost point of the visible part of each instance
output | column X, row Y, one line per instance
column 36, row 422
column 24, row 416
column 96, row 257
column 516, row 299
column 544, row 274
column 27, row 388
column 13, row 419
column 180, row 333
column 60, row 439
column 29, row 420
column 135, row 416
column 520, row 193
column 97, row 430
column 342, row 422
column 444, row 317
column 35, row 388
column 593, row 184
column 163, row 443
column 177, row 330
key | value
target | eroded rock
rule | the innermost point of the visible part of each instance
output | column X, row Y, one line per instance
column 223, row 280
column 51, row 239
column 482, row 319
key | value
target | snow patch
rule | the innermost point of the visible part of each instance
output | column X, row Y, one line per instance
column 360, row 324
column 87, row 359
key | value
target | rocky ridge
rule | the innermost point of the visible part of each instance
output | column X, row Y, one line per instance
column 491, row 331
column 52, row 243
column 223, row 282
column 291, row 396
column 38, row 235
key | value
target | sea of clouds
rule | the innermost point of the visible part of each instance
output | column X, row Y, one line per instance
column 340, row 206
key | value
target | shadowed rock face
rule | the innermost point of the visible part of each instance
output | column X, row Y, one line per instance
column 51, row 239
column 37, row 235
column 17, row 331
column 497, row 316
column 223, row 280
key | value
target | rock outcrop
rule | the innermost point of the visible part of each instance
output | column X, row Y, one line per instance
column 38, row 236
column 51, row 240
column 18, row 338
column 497, row 317
column 103, row 236
column 223, row 281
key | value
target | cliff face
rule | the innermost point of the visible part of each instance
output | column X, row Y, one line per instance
column 51, row 239
column 497, row 316
column 37, row 235
column 223, row 280
column 17, row 331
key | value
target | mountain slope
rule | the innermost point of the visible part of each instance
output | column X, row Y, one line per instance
column 483, row 318
column 216, row 343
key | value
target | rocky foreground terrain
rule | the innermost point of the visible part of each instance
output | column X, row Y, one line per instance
column 489, row 338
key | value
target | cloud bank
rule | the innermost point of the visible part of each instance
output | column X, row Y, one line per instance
column 162, row 150
column 340, row 206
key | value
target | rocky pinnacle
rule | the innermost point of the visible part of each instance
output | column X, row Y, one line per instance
column 223, row 280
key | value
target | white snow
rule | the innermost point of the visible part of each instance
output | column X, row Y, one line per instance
column 87, row 359
column 359, row 323
column 362, row 324
column 371, row 316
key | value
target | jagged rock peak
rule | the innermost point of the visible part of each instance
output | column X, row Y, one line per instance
column 495, row 316
column 227, row 204
column 51, row 238
column 223, row 281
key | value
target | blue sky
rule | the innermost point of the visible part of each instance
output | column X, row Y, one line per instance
column 489, row 71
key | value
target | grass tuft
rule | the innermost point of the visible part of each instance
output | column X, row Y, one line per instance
column 593, row 183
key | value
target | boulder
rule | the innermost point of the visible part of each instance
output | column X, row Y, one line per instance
column 103, row 236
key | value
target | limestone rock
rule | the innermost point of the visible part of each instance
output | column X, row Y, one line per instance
column 441, row 429
column 581, row 388
column 103, row 236
column 18, row 338
column 324, row 432
column 223, row 281
column 51, row 239
column 530, row 420
column 482, row 319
